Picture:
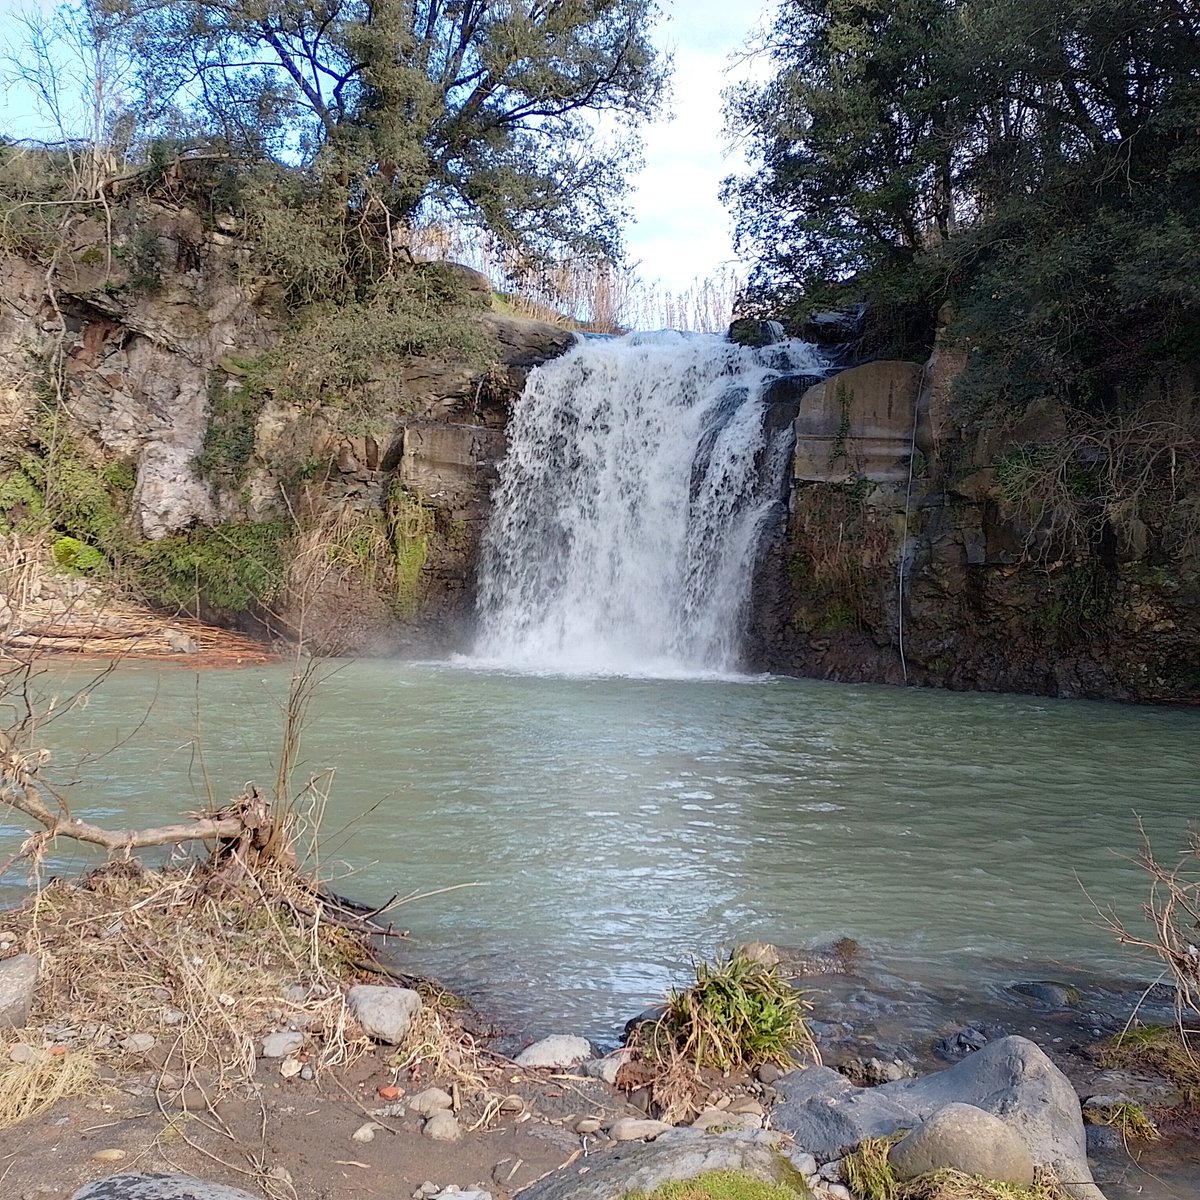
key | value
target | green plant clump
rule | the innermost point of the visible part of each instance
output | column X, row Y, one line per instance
column 73, row 555
column 738, row 1013
column 868, row 1172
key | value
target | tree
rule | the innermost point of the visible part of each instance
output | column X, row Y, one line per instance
column 480, row 108
column 1033, row 160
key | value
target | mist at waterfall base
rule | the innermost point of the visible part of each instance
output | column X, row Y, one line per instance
column 625, row 526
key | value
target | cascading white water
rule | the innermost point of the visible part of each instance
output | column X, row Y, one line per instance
column 624, row 528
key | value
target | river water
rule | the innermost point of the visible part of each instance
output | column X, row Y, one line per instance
column 601, row 832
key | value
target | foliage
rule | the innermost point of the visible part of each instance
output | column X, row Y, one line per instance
column 720, row 1185
column 738, row 1013
column 73, row 555
column 1167, row 1051
column 233, row 410
column 1033, row 161
column 234, row 566
column 479, row 108
column 868, row 1172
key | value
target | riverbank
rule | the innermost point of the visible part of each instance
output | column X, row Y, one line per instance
column 251, row 1063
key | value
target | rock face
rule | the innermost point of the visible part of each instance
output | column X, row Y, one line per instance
column 1010, row 1078
column 638, row 1167
column 905, row 514
column 18, row 979
column 156, row 1185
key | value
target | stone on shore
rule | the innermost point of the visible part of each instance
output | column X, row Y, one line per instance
column 1010, row 1078
column 634, row 1129
column 556, row 1053
column 430, row 1101
column 443, row 1126
column 18, row 979
column 280, row 1045
column 961, row 1137
column 157, row 1185
column 644, row 1167
column 385, row 1013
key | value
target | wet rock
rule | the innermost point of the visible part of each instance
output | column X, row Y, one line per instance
column 640, row 1167
column 633, row 1129
column 443, row 1127
column 762, row 953
column 431, row 1100
column 385, row 1013
column 1010, row 1077
column 961, row 1137
column 157, row 1185
column 18, row 979
column 646, row 1017
column 1045, row 991
column 280, row 1045
column 966, row 1041
column 747, row 331
column 557, row 1052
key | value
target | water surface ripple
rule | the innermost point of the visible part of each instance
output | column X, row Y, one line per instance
column 618, row 827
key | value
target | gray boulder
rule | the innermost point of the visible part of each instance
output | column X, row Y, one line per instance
column 557, row 1052
column 964, row 1138
column 385, row 1013
column 643, row 1167
column 157, row 1185
column 18, row 978
column 1011, row 1078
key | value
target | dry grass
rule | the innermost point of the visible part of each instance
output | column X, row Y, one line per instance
column 194, row 957
column 1130, row 1120
column 32, row 1088
column 1167, row 1051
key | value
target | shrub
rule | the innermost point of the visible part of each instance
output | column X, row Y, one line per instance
column 73, row 555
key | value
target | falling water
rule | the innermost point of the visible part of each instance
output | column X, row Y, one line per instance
column 640, row 473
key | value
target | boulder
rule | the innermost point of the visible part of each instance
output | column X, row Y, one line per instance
column 157, row 1185
column 557, row 1052
column 385, row 1013
column 18, row 979
column 961, row 1137
column 644, row 1167
column 1011, row 1078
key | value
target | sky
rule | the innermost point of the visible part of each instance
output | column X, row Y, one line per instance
column 680, row 231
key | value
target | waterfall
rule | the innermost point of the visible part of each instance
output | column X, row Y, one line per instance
column 625, row 525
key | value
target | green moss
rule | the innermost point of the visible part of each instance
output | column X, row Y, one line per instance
column 233, row 412
column 234, row 566
column 73, row 555
column 411, row 524
column 724, row 1185
column 21, row 498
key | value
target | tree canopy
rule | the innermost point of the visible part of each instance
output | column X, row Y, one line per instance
column 1036, row 161
column 484, row 109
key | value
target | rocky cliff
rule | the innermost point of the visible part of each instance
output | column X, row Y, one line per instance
column 1018, row 552
column 139, row 443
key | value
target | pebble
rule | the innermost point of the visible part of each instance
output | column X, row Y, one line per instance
column 837, row 1191
column 453, row 1193
column 831, row 1171
column 365, row 1133
column 138, row 1043
column 21, row 1053
column 805, row 1163
column 393, row 1111
column 281, row 1044
column 746, row 1107
column 290, row 1067
column 109, row 1156
column 307, row 1073
column 443, row 1127
column 512, row 1104
column 587, row 1125
column 631, row 1129
column 430, row 1101
column 426, row 1190
column 167, row 1082
column 768, row 1073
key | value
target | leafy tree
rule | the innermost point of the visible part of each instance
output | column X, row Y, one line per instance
column 1035, row 161
column 479, row 108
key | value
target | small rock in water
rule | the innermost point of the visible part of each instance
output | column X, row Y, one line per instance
column 430, row 1101
column 966, row 1041
column 281, row 1044
column 557, row 1052
column 443, row 1127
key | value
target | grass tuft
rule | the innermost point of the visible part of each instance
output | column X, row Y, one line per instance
column 868, row 1172
column 32, row 1088
column 1159, row 1048
column 1130, row 1120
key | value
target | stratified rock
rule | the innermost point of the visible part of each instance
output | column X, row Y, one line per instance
column 385, row 1013
column 1010, row 1078
column 961, row 1137
column 18, row 979
column 645, row 1167
column 557, row 1052
column 157, row 1185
